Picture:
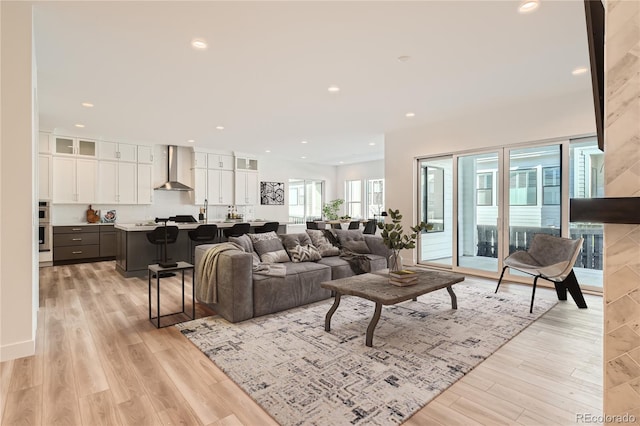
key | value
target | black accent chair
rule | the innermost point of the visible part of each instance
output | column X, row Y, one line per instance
column 267, row 227
column 317, row 225
column 370, row 227
column 237, row 230
column 354, row 224
column 157, row 237
column 203, row 234
column 336, row 226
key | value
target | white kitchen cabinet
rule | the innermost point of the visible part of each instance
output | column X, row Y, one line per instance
column 74, row 180
column 246, row 188
column 220, row 187
column 246, row 163
column 44, row 144
column 145, row 183
column 145, row 154
column 117, row 183
column 113, row 151
column 77, row 147
column 220, row 161
column 44, row 177
column 200, row 160
column 199, row 185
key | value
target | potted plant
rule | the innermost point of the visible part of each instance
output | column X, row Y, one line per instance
column 395, row 239
column 330, row 209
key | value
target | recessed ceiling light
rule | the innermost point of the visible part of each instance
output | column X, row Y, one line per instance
column 304, row 142
column 199, row 44
column 80, row 125
column 268, row 150
column 410, row 114
column 303, row 157
column 404, row 58
column 342, row 162
column 528, row 6
column 87, row 104
column 190, row 140
column 333, row 89
column 220, row 127
column 372, row 143
column 579, row 71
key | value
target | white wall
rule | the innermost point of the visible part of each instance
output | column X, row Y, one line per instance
column 272, row 169
column 537, row 119
column 18, row 221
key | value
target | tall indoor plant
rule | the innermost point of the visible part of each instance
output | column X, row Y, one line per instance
column 395, row 239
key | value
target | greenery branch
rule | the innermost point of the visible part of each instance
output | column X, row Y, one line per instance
column 393, row 234
column 330, row 209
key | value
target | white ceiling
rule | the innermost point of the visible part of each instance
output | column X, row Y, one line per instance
column 265, row 74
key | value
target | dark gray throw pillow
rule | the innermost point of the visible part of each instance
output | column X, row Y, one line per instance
column 352, row 239
column 319, row 240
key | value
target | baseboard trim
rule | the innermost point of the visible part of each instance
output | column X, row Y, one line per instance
column 17, row 350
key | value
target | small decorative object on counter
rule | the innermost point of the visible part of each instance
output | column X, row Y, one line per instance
column 109, row 216
column 93, row 216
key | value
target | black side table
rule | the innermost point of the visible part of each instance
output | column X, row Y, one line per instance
column 158, row 270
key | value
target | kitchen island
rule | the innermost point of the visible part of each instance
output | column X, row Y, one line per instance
column 134, row 253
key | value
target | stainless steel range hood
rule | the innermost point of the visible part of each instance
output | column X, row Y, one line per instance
column 172, row 172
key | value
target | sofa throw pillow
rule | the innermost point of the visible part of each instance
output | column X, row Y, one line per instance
column 321, row 242
column 352, row 239
column 269, row 247
column 306, row 253
column 245, row 242
column 292, row 240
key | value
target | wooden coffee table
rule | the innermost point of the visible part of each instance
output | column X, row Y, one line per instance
column 376, row 287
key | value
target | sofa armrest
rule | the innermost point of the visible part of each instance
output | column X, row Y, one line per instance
column 235, row 284
column 376, row 246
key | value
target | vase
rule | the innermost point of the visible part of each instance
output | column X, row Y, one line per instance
column 395, row 262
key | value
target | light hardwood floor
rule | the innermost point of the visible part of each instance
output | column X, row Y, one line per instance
column 99, row 361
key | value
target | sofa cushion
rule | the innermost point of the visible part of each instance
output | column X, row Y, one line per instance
column 340, row 268
column 269, row 247
column 245, row 242
column 300, row 285
column 352, row 239
column 307, row 253
column 321, row 242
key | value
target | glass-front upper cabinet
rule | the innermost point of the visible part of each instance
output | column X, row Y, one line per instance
column 244, row 163
column 74, row 146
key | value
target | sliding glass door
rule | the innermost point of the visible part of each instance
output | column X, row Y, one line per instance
column 478, row 204
column 436, row 208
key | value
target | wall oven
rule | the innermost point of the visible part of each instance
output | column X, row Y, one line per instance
column 44, row 228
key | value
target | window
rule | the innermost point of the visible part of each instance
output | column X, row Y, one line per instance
column 551, row 186
column 485, row 189
column 375, row 197
column 523, row 187
column 353, row 198
column 305, row 200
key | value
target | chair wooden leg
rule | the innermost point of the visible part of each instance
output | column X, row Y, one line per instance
column 571, row 283
column 500, row 280
column 533, row 293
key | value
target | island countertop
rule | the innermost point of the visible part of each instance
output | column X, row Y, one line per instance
column 129, row 227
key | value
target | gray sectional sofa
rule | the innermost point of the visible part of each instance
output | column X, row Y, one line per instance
column 244, row 294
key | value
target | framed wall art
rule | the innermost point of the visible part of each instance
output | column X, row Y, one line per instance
column 272, row 193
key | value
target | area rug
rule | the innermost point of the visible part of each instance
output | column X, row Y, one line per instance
column 302, row 375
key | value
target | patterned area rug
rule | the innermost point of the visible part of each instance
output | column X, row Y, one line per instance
column 301, row 374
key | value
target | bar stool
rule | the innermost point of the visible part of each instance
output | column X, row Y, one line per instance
column 157, row 237
column 201, row 235
column 237, row 230
column 267, row 227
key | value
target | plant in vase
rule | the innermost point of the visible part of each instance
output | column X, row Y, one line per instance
column 395, row 239
column 330, row 209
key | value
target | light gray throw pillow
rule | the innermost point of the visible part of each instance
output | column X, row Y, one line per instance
column 269, row 247
column 352, row 239
column 321, row 242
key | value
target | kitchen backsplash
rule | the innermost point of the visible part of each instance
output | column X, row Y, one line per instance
column 165, row 204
